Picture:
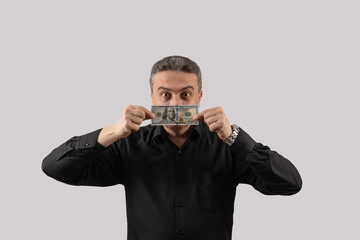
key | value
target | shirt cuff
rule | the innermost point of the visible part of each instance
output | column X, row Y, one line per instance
column 89, row 141
column 243, row 143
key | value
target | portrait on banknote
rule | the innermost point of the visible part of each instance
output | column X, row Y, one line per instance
column 168, row 116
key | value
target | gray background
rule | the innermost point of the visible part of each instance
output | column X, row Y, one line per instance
column 287, row 72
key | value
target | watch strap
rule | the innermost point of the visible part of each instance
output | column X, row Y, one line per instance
column 231, row 139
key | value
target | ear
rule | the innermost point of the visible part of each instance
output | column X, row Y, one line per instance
column 200, row 96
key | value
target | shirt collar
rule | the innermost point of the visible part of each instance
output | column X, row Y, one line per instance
column 159, row 132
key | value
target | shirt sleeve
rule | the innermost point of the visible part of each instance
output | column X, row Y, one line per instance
column 266, row 170
column 81, row 160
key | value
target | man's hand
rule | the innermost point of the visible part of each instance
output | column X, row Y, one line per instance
column 130, row 120
column 217, row 121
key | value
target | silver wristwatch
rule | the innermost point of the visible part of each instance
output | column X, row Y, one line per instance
column 230, row 140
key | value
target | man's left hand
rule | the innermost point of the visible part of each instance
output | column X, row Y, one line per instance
column 216, row 120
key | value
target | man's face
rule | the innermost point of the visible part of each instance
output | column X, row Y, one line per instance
column 175, row 88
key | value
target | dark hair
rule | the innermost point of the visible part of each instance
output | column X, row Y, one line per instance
column 176, row 63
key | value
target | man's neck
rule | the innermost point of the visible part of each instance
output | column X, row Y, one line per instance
column 178, row 132
column 178, row 135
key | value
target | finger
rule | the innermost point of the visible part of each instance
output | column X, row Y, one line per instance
column 200, row 116
column 212, row 119
column 148, row 113
column 129, row 124
column 136, row 119
column 216, row 126
column 210, row 114
column 138, row 113
column 134, row 127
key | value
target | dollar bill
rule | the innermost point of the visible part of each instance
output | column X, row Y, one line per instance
column 174, row 114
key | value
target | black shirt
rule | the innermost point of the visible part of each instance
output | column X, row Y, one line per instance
column 173, row 193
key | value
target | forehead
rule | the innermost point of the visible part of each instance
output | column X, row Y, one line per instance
column 174, row 80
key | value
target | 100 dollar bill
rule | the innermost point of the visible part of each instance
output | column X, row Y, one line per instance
column 174, row 114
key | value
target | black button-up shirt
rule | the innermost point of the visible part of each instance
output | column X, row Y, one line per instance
column 173, row 193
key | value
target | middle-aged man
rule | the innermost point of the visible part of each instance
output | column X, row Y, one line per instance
column 180, row 180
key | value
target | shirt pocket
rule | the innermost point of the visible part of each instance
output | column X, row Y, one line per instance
column 216, row 193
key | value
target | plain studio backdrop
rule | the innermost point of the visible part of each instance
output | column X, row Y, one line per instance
column 287, row 72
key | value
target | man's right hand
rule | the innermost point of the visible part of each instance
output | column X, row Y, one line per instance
column 130, row 120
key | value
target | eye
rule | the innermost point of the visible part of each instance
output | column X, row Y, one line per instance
column 186, row 94
column 165, row 94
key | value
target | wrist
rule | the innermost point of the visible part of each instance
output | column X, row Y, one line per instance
column 228, row 132
column 231, row 139
column 107, row 136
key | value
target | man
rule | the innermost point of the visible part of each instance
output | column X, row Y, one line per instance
column 168, row 116
column 180, row 180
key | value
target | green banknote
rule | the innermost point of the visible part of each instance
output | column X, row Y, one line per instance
column 174, row 114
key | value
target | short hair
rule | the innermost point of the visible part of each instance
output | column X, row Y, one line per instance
column 176, row 63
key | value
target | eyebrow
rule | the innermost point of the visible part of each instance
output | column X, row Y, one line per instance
column 168, row 89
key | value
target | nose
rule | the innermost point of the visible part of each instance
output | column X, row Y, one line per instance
column 175, row 100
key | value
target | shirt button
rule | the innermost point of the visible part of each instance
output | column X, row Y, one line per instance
column 179, row 179
column 179, row 151
column 87, row 144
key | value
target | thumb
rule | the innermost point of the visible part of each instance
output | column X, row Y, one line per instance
column 199, row 116
column 149, row 115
